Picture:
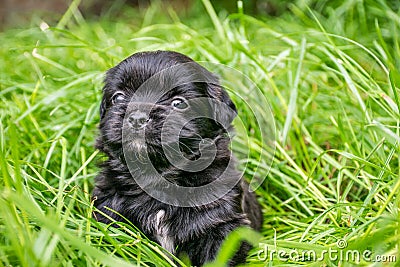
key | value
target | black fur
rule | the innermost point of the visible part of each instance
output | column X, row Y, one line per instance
column 195, row 231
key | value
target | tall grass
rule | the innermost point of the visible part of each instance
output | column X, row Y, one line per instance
column 330, row 71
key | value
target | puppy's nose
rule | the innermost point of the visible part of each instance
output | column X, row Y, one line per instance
column 138, row 120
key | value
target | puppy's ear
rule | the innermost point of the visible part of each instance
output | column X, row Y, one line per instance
column 216, row 91
column 103, row 107
column 224, row 113
column 109, row 80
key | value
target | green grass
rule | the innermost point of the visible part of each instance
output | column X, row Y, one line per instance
column 330, row 71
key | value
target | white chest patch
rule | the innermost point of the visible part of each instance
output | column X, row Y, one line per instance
column 162, row 232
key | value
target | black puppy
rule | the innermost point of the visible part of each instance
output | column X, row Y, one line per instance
column 165, row 125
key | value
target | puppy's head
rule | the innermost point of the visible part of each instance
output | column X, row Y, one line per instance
column 154, row 100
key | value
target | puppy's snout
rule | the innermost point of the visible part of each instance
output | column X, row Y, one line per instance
column 138, row 120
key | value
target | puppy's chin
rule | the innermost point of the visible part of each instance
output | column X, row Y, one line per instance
column 134, row 143
column 136, row 146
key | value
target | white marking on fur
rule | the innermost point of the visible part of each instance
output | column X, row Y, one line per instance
column 159, row 217
column 162, row 232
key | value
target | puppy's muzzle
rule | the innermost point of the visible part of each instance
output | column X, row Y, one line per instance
column 138, row 120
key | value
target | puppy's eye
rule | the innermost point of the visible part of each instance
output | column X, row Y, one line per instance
column 118, row 97
column 179, row 103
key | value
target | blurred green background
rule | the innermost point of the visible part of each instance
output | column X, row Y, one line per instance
column 329, row 69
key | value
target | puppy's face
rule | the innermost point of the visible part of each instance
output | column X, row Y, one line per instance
column 161, row 101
